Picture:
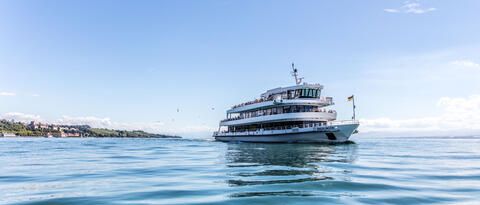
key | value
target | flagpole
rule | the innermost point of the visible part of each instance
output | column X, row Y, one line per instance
column 353, row 101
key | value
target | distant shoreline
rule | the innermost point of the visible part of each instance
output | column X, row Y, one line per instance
column 10, row 128
column 151, row 137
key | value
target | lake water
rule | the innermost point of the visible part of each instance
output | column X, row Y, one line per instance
column 373, row 170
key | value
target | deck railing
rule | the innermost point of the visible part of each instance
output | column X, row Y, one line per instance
column 264, row 114
column 327, row 100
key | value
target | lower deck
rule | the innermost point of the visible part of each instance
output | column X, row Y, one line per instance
column 310, row 137
column 276, row 126
column 316, row 133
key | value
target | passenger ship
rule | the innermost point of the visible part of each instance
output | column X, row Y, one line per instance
column 287, row 114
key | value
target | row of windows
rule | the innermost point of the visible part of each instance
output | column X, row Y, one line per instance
column 299, row 93
column 275, row 126
column 309, row 93
column 277, row 110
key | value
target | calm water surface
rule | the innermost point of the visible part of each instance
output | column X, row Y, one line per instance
column 432, row 170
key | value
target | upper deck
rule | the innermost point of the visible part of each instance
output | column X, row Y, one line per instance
column 282, row 90
column 320, row 102
column 305, row 94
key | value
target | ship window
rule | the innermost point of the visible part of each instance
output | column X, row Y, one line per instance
column 309, row 93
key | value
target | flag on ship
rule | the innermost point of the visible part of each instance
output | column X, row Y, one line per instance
column 350, row 98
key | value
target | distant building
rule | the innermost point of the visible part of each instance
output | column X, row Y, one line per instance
column 31, row 125
column 38, row 125
column 76, row 134
column 7, row 134
column 54, row 127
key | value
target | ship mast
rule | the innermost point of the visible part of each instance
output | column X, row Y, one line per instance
column 295, row 74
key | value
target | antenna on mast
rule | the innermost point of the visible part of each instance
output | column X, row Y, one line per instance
column 295, row 74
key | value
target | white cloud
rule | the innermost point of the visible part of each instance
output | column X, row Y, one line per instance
column 35, row 95
column 416, row 8
column 155, row 127
column 92, row 121
column 413, row 7
column 391, row 10
column 22, row 117
column 457, row 114
column 465, row 63
column 7, row 94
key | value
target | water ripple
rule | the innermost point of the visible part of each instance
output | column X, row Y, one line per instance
column 422, row 170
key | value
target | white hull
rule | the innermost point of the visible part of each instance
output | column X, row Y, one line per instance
column 328, row 134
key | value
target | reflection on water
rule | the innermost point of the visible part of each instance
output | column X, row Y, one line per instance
column 269, row 166
column 291, row 155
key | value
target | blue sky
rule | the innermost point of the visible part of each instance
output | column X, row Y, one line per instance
column 132, row 64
